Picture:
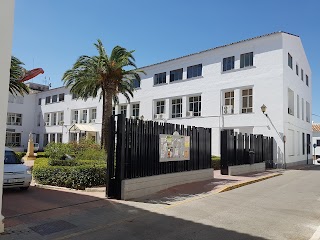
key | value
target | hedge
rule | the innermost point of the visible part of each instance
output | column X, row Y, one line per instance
column 85, row 174
column 20, row 154
column 215, row 162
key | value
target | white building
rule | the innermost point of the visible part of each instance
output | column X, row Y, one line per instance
column 316, row 140
column 219, row 88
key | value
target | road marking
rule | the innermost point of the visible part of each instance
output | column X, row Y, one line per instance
column 316, row 235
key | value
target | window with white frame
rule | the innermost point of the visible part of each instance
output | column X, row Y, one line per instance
column 246, row 60
column 229, row 98
column 159, row 78
column 307, row 80
column 136, row 83
column 93, row 113
column 47, row 119
column 84, row 116
column 54, row 119
column 52, row 137
column 54, row 98
column 194, row 71
column 195, row 105
column 75, row 116
column 48, row 99
column 13, row 139
column 298, row 106
column 302, row 74
column 308, row 112
column 160, row 107
column 14, row 119
column 73, row 137
column 247, row 101
column 176, row 75
column 135, row 110
column 38, row 119
column 123, row 110
column 297, row 69
column 176, row 108
column 61, row 118
column 228, row 63
column 45, row 139
column 39, row 101
column 289, row 60
column 61, row 97
column 302, row 109
column 290, row 102
column 59, row 137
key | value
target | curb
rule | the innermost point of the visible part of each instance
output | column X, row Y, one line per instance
column 69, row 189
column 241, row 184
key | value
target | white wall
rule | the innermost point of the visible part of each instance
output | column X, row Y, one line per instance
column 6, row 31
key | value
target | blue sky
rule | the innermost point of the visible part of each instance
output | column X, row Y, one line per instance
column 53, row 34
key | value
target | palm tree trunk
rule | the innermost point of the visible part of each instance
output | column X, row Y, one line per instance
column 107, row 112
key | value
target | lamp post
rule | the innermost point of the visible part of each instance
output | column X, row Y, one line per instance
column 283, row 138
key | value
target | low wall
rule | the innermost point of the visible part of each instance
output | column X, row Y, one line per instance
column 246, row 168
column 139, row 187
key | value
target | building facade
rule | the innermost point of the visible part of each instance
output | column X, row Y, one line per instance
column 219, row 88
column 316, row 140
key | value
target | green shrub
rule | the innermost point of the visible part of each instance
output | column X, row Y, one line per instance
column 42, row 154
column 20, row 154
column 56, row 151
column 87, row 173
column 215, row 162
column 55, row 162
column 91, row 154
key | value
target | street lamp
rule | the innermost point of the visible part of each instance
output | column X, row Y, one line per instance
column 264, row 109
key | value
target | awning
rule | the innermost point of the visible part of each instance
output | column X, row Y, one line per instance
column 82, row 128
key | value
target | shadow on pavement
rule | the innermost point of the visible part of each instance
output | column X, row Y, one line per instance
column 52, row 214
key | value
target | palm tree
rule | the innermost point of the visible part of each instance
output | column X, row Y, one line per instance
column 104, row 76
column 17, row 72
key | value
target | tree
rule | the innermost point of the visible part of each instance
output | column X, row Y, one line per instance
column 17, row 72
column 104, row 76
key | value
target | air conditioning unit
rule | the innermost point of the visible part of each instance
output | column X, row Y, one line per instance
column 47, row 123
column 83, row 121
column 227, row 109
column 158, row 116
column 74, row 121
column 190, row 114
column 92, row 120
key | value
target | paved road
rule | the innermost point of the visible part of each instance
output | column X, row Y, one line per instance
column 284, row 207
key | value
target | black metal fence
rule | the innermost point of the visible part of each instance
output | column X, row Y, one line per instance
column 239, row 149
column 135, row 151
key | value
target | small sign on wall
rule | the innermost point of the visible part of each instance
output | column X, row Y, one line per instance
column 174, row 147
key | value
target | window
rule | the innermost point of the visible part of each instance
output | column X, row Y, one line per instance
column 135, row 110
column 123, row 110
column 52, row 137
column 301, row 74
column 14, row 119
column 290, row 102
column 195, row 105
column 318, row 142
column 302, row 109
column 75, row 116
column 61, row 97
column 246, row 60
column 113, row 111
column 37, row 140
column 38, row 119
column 84, row 116
column 74, row 96
column 39, row 101
column 297, row 69
column 229, row 98
column 61, row 118
column 303, row 148
column 160, row 107
column 247, row 101
column 54, row 119
column 93, row 113
column 55, row 98
column 47, row 119
column 159, row 78
column 48, row 99
column 73, row 137
column 59, row 137
column 298, row 106
column 307, row 80
column 307, row 111
column 176, row 75
column 194, row 71
column 176, row 108
column 308, row 144
column 289, row 60
column 136, row 83
column 13, row 139
column 228, row 63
